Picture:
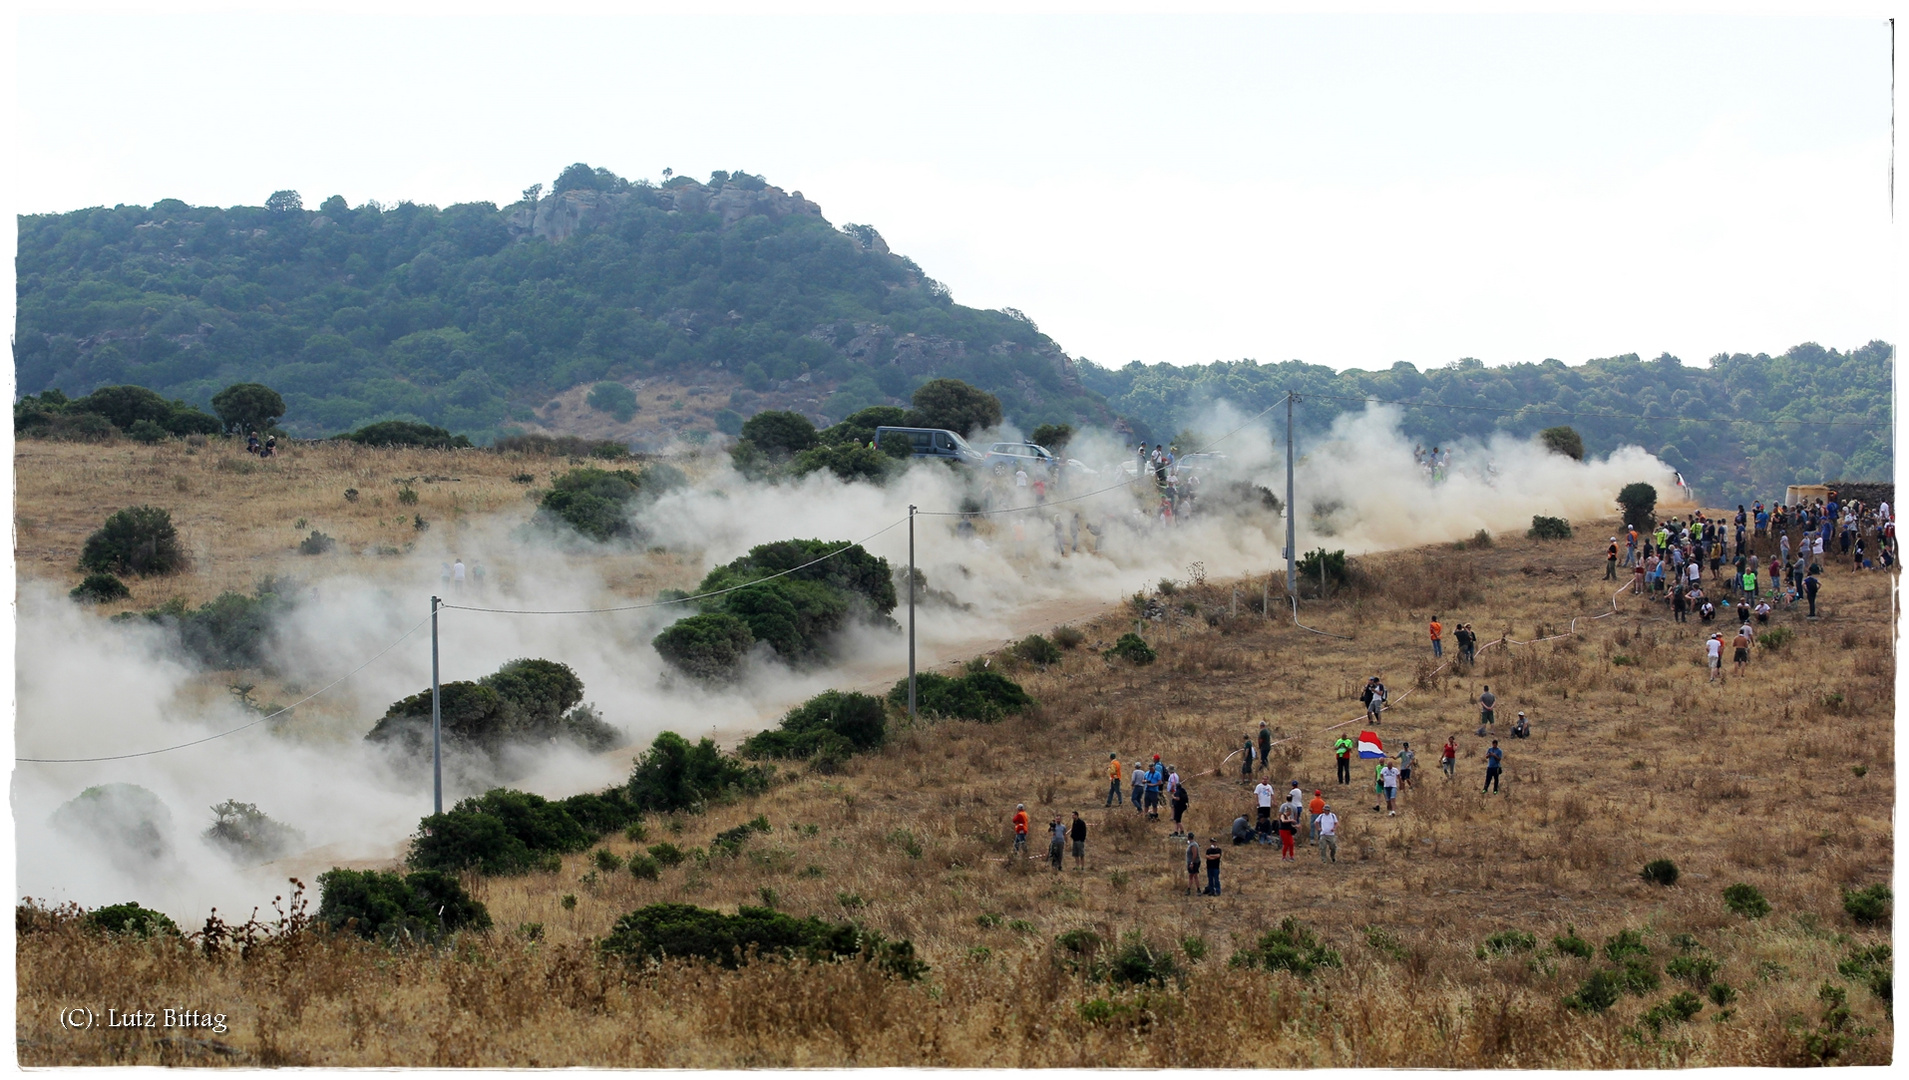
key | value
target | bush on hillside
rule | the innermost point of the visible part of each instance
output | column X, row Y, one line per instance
column 778, row 433
column 499, row 832
column 1660, row 872
column 524, row 702
column 684, row 930
column 1036, row 649
column 316, row 544
column 138, row 540
column 130, row 919
column 561, row 446
column 1868, row 906
column 1548, row 528
column 1132, row 647
column 614, row 398
column 1563, row 440
column 1332, row 563
column 405, row 433
column 986, row 696
column 598, row 503
column 421, row 906
column 1292, row 947
column 1746, row 901
column 676, row 775
column 132, row 410
column 848, row 461
column 1638, row 504
column 248, row 406
column 247, row 834
column 710, row 647
column 230, row 631
column 956, row 406
column 832, row 721
column 100, row 588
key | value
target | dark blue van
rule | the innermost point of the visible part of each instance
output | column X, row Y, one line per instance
column 933, row 443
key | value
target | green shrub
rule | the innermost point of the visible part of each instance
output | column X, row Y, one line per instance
column 1293, row 947
column 230, row 631
column 676, row 775
column 499, row 832
column 1660, row 872
column 1481, row 539
column 607, row 861
column 1132, row 647
column 667, row 854
column 1775, row 638
column 848, row 461
column 407, row 496
column 1873, row 968
column 597, row 503
column 831, row 721
column 526, row 700
column 1868, row 906
column 1695, row 970
column 405, row 433
column 1333, row 562
column 1036, row 649
column 129, row 919
column 1595, row 994
column 614, row 398
column 684, row 930
column 730, row 841
column 986, row 696
column 779, row 433
column 559, row 446
column 138, row 540
column 1625, row 943
column 1638, row 503
column 247, row 833
column 1563, row 440
column 1506, row 941
column 316, row 544
column 709, row 647
column 1746, row 901
column 373, row 904
column 1677, row 1009
column 1637, row 977
column 1194, row 947
column 1067, row 637
column 1570, row 944
column 100, row 588
column 1721, row 994
column 1137, row 963
column 644, row 867
column 1548, row 528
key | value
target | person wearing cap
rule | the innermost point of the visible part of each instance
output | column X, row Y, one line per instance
column 1610, row 561
column 1113, row 781
column 1326, row 824
column 1521, row 729
column 1714, row 650
column 1020, row 827
column 1494, row 765
column 1192, row 864
column 1213, row 866
column 1313, row 809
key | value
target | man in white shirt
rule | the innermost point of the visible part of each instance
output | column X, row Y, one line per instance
column 1328, row 824
column 1389, row 777
column 457, row 575
column 1263, row 792
column 1714, row 650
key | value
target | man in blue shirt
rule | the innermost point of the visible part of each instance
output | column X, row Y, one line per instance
column 1494, row 764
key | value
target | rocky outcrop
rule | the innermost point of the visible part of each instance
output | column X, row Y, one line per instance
column 558, row 217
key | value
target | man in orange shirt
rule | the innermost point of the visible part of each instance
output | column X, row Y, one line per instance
column 1113, row 777
column 1020, row 827
column 1438, row 643
column 1313, row 809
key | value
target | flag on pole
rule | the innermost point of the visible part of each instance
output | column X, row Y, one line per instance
column 1370, row 746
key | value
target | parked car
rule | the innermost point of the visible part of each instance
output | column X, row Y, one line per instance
column 933, row 443
column 1007, row 457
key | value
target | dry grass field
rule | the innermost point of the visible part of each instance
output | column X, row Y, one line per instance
column 1781, row 778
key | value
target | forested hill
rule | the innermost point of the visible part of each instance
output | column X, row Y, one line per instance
column 1846, row 397
column 736, row 293
column 471, row 317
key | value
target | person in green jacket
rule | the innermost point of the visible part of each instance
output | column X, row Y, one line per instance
column 1342, row 747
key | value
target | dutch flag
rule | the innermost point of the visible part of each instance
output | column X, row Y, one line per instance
column 1370, row 746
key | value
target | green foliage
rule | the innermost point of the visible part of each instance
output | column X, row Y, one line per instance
column 132, row 410
column 705, row 646
column 614, row 398
column 1637, row 977
column 847, row 461
column 248, row 834
column 1138, row 963
column 1595, row 994
column 1625, row 943
column 956, row 406
column 986, row 696
column 730, row 841
column 1868, row 906
column 232, row 630
column 1053, row 436
column 1721, row 994
column 100, row 588
column 1036, row 649
column 1132, row 647
column 1548, row 528
column 560, row 446
column 1660, row 872
column 138, row 540
column 1563, row 440
column 1570, row 944
column 675, row 775
column 779, row 433
column 422, row 906
column 684, row 930
column 1293, row 947
column 667, row 854
column 1067, row 637
column 644, row 867
column 1679, row 1008
column 1873, row 968
column 499, row 832
column 1695, row 970
column 598, row 503
column 1334, row 563
column 1746, row 901
column 831, row 721
column 1638, row 504
column 248, row 406
column 534, row 702
column 1194, row 946
column 130, row 919
column 606, row 860
column 1506, row 941
column 316, row 544
column 405, row 433
column 1775, row 638
column 1832, row 1037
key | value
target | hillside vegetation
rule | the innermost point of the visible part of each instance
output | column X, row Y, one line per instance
column 653, row 312
column 1650, row 890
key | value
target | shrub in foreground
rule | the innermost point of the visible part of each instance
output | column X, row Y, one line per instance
column 676, row 775
column 100, row 588
column 1660, row 872
column 422, row 906
column 1548, row 528
column 130, row 918
column 1746, row 901
column 1868, row 906
column 986, row 696
column 1293, row 947
column 684, row 930
column 138, row 540
column 830, row 722
column 1132, row 647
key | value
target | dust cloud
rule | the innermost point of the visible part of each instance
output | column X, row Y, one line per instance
column 90, row 688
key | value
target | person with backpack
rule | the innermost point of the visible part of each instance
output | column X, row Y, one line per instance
column 1342, row 748
column 1494, row 765
column 1373, row 697
column 1113, row 780
column 1078, row 833
column 1020, row 828
column 1179, row 801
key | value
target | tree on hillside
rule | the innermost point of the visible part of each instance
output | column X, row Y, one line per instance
column 248, row 406
column 1053, row 436
column 779, row 433
column 284, row 202
column 138, row 540
column 1639, row 503
column 953, row 404
column 1563, row 440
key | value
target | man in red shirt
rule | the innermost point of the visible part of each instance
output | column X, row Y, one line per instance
column 1448, row 757
column 1020, row 828
column 1438, row 635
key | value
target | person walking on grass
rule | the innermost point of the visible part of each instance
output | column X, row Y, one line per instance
column 1327, row 826
column 1288, row 829
column 1610, row 561
column 1741, row 645
column 1374, row 698
column 1438, row 635
column 1389, row 779
column 1494, row 765
column 1139, row 788
column 1342, row 749
column 1487, row 715
column 1213, row 867
column 1448, row 758
column 1407, row 758
column 1246, row 757
column 1296, row 798
column 1078, row 833
column 1713, row 651
column 1020, row 828
column 1192, row 864
column 1265, row 746
column 1113, row 780
column 1313, row 810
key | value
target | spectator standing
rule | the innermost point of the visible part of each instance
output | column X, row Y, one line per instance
column 1263, row 796
column 1487, row 702
column 1327, row 825
column 1448, row 757
column 1139, row 787
column 1407, row 758
column 1342, row 748
column 1246, row 757
column 1438, row 634
column 1373, row 696
column 1179, row 802
column 1079, row 835
column 1288, row 827
column 1154, row 780
column 1265, row 746
column 1113, row 780
column 1741, row 647
column 1610, row 561
column 1713, row 652
column 1020, row 828
column 1494, row 765
column 1213, row 867
column 1389, row 779
column 1192, row 864
column 1467, row 642
column 1314, row 809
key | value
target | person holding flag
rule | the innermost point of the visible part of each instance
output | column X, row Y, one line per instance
column 1371, row 749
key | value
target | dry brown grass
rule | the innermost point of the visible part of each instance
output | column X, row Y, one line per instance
column 1629, row 762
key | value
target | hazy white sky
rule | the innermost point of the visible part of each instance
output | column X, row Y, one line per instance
column 1350, row 191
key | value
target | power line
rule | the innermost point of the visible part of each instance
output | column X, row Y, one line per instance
column 180, row 746
column 1599, row 416
column 679, row 599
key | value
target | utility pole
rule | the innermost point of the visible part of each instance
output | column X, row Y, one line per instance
column 437, row 724
column 1292, row 571
column 911, row 611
